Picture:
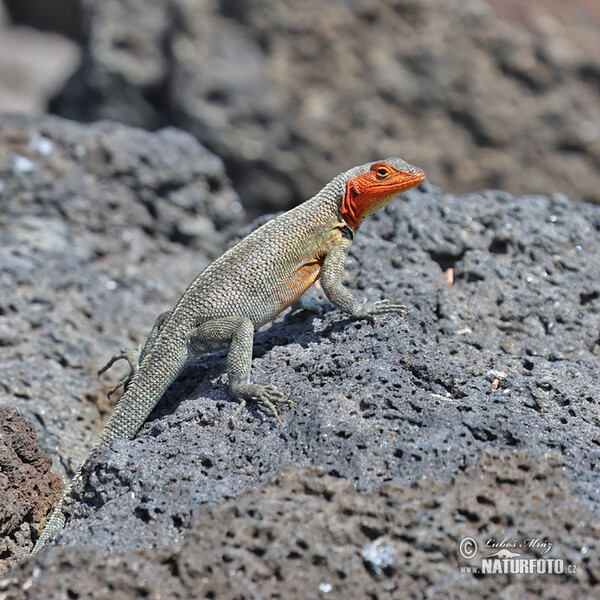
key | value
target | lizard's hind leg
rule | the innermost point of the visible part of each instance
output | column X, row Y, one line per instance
column 136, row 356
column 132, row 357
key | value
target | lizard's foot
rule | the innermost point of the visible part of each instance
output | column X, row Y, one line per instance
column 132, row 357
column 309, row 304
column 368, row 310
column 268, row 395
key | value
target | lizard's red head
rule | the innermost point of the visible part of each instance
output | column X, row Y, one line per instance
column 373, row 189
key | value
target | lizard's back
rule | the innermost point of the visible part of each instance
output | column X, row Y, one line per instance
column 268, row 270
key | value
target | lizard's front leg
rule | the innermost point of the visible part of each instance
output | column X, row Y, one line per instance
column 331, row 281
column 237, row 333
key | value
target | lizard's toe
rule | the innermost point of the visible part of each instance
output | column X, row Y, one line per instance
column 385, row 306
column 268, row 395
column 270, row 392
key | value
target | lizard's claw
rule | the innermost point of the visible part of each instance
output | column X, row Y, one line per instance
column 385, row 306
column 266, row 394
column 370, row 309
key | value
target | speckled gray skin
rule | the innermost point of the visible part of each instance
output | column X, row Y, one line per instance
column 244, row 289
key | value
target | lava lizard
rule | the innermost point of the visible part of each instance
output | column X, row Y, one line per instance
column 247, row 287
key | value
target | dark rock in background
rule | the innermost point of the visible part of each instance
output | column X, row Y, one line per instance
column 28, row 489
column 61, row 16
column 291, row 94
column 34, row 65
column 499, row 352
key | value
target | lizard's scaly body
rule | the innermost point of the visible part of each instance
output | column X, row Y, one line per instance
column 247, row 287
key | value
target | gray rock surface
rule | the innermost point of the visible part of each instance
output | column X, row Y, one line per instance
column 485, row 397
column 289, row 94
column 310, row 535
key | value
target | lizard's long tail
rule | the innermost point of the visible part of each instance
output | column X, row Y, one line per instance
column 156, row 373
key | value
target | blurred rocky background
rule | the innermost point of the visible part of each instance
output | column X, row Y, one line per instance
column 501, row 94
column 36, row 58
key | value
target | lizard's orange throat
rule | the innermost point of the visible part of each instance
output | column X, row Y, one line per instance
column 364, row 195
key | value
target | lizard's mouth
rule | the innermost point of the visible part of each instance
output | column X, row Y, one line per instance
column 401, row 184
column 413, row 180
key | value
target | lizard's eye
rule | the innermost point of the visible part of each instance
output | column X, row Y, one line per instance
column 382, row 173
